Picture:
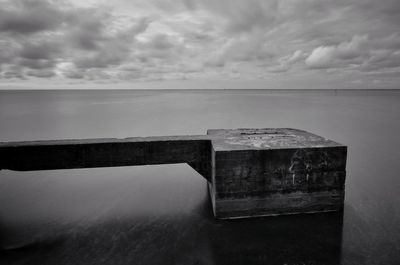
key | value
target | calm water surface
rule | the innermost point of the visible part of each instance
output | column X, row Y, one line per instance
column 162, row 214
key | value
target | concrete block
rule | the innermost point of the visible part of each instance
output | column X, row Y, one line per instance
column 251, row 172
column 276, row 171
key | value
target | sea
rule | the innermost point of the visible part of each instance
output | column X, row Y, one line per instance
column 162, row 214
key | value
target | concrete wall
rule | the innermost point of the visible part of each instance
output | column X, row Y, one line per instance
column 268, row 182
column 107, row 153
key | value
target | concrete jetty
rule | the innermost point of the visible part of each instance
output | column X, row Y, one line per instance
column 250, row 172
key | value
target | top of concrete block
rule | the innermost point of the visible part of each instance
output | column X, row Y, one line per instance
column 266, row 138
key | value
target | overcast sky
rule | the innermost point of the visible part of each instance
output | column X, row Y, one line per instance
column 200, row 43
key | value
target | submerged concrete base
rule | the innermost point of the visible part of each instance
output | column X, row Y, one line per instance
column 277, row 204
column 251, row 172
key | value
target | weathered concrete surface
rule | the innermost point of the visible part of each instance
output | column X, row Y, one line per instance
column 251, row 172
column 63, row 154
column 275, row 171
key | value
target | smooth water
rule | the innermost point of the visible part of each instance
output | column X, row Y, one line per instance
column 162, row 214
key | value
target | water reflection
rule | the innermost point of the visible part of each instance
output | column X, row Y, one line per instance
column 161, row 215
column 302, row 239
column 309, row 240
column 186, row 235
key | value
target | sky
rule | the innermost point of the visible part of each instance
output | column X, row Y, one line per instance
column 270, row 44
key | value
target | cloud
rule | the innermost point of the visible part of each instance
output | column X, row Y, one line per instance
column 40, row 50
column 321, row 57
column 35, row 63
column 160, row 42
column 162, row 39
column 30, row 16
column 40, row 73
column 361, row 53
column 12, row 71
column 296, row 56
column 59, row 32
column 239, row 16
column 285, row 63
column 8, row 51
column 87, row 32
column 69, row 70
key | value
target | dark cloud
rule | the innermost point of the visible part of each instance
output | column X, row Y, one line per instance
column 35, row 63
column 30, row 16
column 87, row 31
column 42, row 49
column 240, row 16
column 40, row 73
column 8, row 51
column 12, row 71
column 108, row 49
column 161, row 42
column 73, row 73
column 112, row 54
column 381, row 11
column 39, row 34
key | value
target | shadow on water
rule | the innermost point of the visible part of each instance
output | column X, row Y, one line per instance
column 193, row 238
column 303, row 239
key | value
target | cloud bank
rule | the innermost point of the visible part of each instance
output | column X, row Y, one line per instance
column 200, row 39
